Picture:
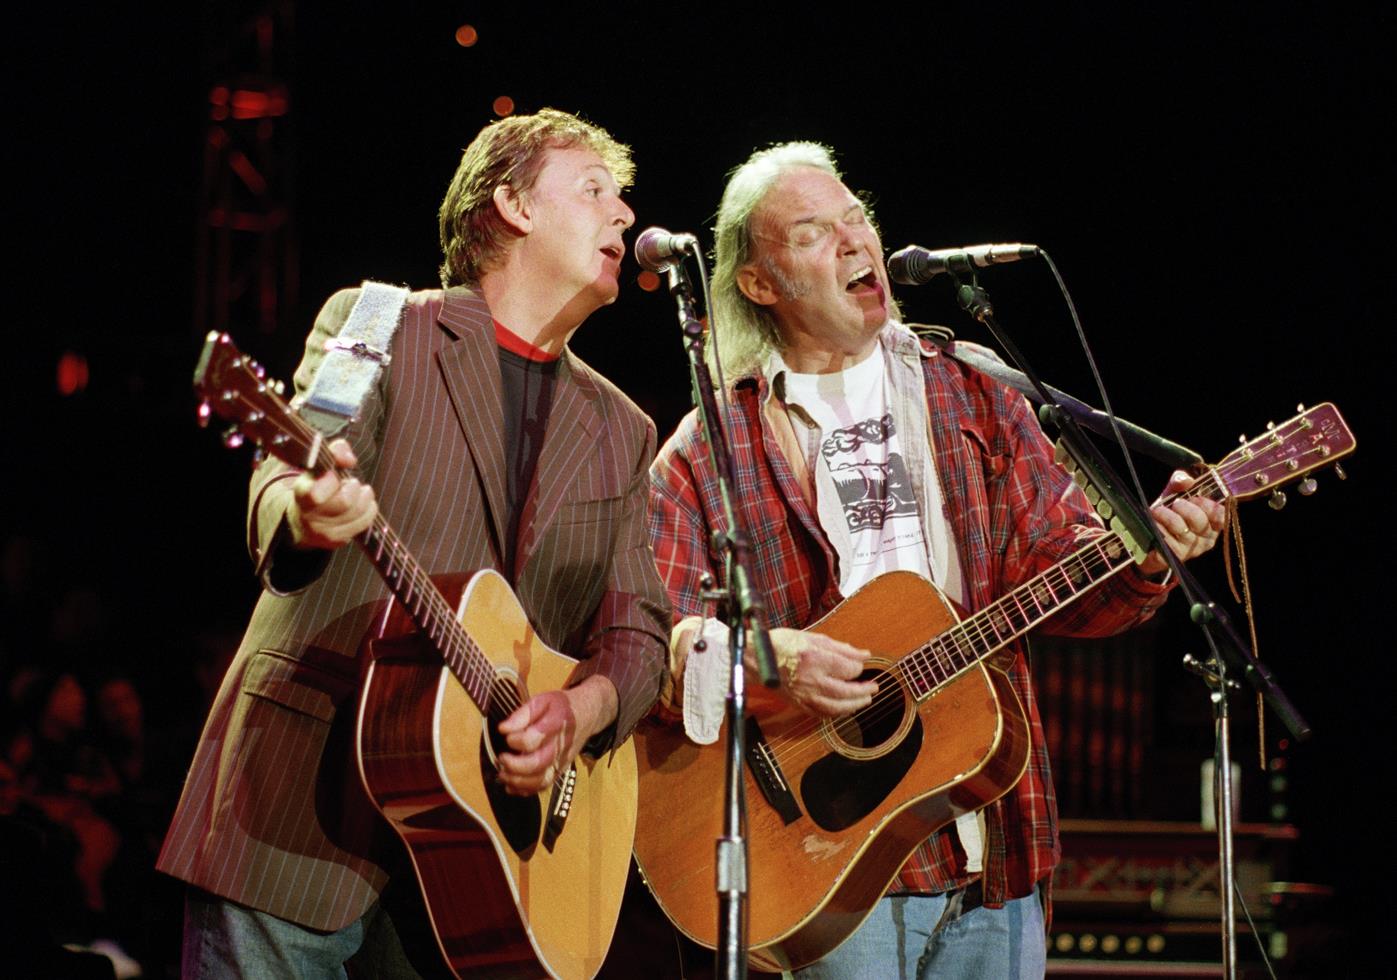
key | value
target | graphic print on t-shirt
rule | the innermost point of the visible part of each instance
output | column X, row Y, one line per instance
column 872, row 482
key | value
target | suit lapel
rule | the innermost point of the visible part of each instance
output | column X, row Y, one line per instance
column 574, row 437
column 471, row 371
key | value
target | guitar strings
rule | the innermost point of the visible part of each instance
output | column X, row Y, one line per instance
column 949, row 654
column 464, row 657
column 991, row 629
column 956, row 650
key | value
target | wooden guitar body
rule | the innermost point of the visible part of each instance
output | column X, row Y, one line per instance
column 513, row 888
column 862, row 794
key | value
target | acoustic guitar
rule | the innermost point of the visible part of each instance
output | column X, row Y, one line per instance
column 514, row 886
column 835, row 807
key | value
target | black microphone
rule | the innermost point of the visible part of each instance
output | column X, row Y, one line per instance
column 655, row 248
column 915, row 265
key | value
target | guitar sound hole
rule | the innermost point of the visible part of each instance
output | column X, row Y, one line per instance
column 877, row 724
column 520, row 818
column 840, row 789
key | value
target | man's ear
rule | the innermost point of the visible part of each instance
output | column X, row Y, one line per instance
column 757, row 285
column 514, row 208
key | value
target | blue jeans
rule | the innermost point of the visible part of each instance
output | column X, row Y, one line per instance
column 905, row 938
column 223, row 939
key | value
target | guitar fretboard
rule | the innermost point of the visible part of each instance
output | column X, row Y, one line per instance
column 417, row 594
column 1019, row 611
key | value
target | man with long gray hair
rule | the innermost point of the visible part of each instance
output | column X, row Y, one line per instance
column 862, row 451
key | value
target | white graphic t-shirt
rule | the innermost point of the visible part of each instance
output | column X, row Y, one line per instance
column 863, row 494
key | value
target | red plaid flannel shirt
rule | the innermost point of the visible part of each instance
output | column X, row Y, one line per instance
column 1013, row 513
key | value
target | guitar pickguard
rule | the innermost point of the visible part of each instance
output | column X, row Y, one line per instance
column 839, row 791
column 520, row 818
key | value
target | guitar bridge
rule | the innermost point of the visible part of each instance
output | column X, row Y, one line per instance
column 559, row 803
column 766, row 771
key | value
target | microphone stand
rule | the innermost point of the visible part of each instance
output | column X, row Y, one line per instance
column 1127, row 513
column 1136, row 437
column 744, row 612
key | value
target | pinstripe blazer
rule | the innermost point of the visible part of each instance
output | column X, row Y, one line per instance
column 273, row 815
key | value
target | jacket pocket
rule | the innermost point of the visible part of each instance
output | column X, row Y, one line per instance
column 588, row 511
column 312, row 691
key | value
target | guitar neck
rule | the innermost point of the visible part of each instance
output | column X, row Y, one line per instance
column 1024, row 608
column 415, row 591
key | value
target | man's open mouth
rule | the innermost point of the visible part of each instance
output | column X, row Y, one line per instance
column 863, row 278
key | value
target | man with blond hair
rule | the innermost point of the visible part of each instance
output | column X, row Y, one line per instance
column 861, row 450
column 487, row 444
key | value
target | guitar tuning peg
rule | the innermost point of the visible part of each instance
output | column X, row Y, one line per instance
column 232, row 439
column 1242, row 439
column 1339, row 472
column 258, row 455
column 1300, row 407
column 1307, row 486
column 1277, row 500
column 1270, row 426
column 279, row 387
column 203, row 413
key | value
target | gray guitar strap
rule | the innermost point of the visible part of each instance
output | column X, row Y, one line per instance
column 355, row 358
column 982, row 360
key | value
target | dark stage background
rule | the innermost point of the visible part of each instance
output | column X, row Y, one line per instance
column 1212, row 180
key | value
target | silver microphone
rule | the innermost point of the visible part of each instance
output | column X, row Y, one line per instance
column 656, row 248
column 915, row 265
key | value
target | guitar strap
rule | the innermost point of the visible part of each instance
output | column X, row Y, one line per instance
column 354, row 358
column 983, row 360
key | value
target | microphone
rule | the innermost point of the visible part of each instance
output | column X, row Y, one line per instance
column 655, row 248
column 915, row 265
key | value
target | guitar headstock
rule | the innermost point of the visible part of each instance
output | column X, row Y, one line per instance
column 233, row 387
column 1316, row 437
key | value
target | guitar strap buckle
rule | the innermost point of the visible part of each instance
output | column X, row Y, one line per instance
column 359, row 349
column 354, row 358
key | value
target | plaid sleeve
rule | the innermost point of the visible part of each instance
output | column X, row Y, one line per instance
column 679, row 525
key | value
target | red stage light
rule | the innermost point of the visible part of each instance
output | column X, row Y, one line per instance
column 466, row 36
column 72, row 373
column 257, row 104
column 503, row 106
column 648, row 281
